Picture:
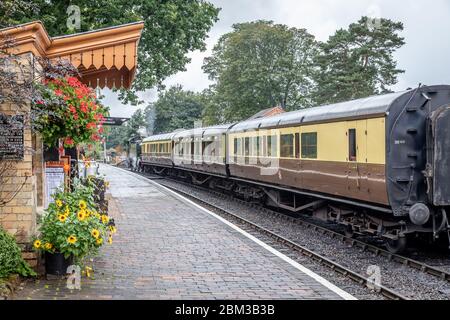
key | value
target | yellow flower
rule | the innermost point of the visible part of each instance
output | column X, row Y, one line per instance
column 105, row 219
column 82, row 204
column 110, row 239
column 95, row 233
column 37, row 244
column 67, row 212
column 62, row 217
column 113, row 229
column 72, row 239
column 81, row 215
column 48, row 246
column 59, row 203
column 99, row 241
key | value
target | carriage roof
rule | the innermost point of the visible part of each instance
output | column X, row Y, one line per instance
column 366, row 107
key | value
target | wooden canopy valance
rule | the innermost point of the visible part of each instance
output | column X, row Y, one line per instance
column 105, row 57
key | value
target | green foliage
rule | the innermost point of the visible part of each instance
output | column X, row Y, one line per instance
column 172, row 29
column 13, row 12
column 11, row 261
column 122, row 134
column 72, row 224
column 176, row 109
column 260, row 65
column 358, row 62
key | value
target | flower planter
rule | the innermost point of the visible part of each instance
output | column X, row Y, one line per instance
column 56, row 264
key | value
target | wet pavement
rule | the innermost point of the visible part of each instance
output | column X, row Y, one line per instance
column 167, row 248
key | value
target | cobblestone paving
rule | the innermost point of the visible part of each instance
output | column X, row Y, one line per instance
column 167, row 249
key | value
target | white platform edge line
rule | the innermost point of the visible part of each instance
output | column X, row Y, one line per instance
column 343, row 294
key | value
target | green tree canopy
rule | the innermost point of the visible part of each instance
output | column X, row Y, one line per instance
column 175, row 109
column 260, row 65
column 358, row 62
column 172, row 28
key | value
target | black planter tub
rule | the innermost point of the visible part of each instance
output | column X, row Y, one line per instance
column 56, row 264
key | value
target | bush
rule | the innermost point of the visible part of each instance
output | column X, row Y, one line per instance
column 11, row 261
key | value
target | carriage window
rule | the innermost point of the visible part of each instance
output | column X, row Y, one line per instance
column 352, row 144
column 237, row 149
column 264, row 146
column 309, row 145
column 258, row 146
column 198, row 148
column 297, row 145
column 246, row 149
column 287, row 146
column 272, row 146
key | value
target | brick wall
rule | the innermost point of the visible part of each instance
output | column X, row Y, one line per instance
column 18, row 183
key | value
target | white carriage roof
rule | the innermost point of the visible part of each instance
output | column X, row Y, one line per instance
column 198, row 132
column 373, row 105
column 161, row 137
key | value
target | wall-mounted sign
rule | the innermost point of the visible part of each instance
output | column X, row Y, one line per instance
column 54, row 179
column 11, row 137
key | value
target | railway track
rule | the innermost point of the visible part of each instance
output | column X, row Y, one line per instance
column 322, row 260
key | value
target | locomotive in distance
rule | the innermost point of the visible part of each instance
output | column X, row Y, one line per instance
column 378, row 165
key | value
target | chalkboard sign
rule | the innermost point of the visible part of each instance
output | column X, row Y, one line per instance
column 11, row 137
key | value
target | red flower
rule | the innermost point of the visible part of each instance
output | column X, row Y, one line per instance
column 72, row 109
column 68, row 141
column 40, row 102
column 91, row 125
column 58, row 92
column 74, row 82
column 75, row 116
column 100, row 130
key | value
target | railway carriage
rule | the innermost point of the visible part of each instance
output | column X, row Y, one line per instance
column 157, row 151
column 202, row 150
column 378, row 165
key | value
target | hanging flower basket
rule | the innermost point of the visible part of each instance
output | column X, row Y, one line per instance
column 69, row 110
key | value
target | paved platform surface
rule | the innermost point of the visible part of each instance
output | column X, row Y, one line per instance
column 166, row 248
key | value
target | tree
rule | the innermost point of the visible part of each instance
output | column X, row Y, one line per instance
column 115, row 136
column 12, row 12
column 260, row 65
column 176, row 109
column 133, row 125
column 121, row 135
column 172, row 29
column 358, row 62
column 213, row 107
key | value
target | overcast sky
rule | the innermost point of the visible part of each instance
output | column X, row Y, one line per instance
column 425, row 57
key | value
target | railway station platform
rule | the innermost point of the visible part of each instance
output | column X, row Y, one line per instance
column 167, row 247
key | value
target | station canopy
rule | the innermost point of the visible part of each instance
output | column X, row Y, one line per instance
column 104, row 57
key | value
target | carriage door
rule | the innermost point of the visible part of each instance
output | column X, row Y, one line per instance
column 356, row 154
column 439, row 156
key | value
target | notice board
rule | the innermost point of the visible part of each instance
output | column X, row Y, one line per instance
column 54, row 179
